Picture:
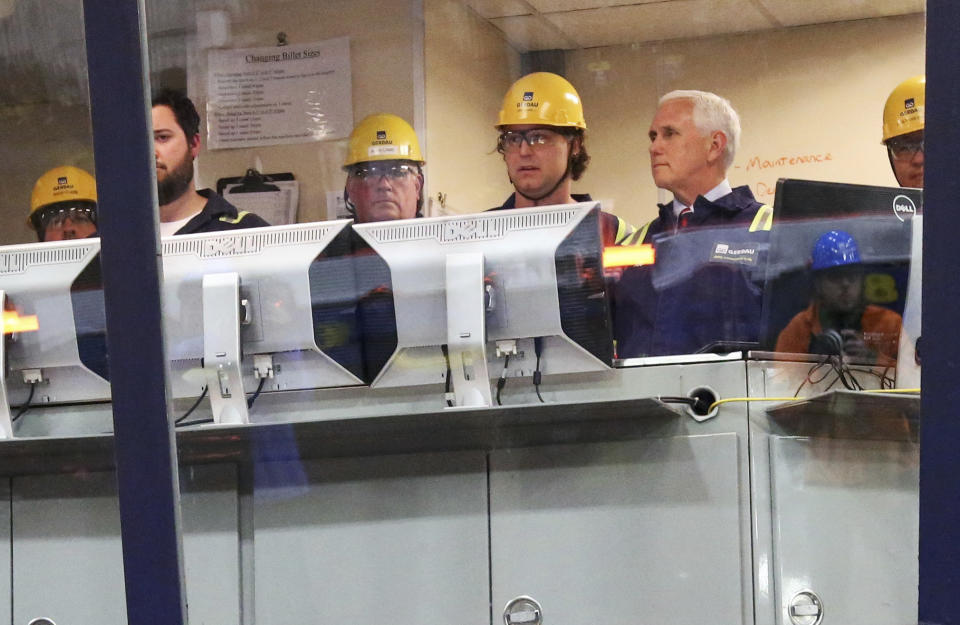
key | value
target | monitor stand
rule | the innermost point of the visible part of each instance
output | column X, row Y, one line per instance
column 6, row 423
column 466, row 330
column 221, row 348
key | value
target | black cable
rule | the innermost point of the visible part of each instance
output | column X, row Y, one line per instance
column 886, row 381
column 192, row 408
column 449, row 382
column 503, row 377
column 26, row 405
column 849, row 382
column 538, row 350
column 256, row 394
column 197, row 422
column 813, row 368
column 831, row 385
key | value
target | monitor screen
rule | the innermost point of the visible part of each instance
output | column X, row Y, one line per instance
column 876, row 222
column 539, row 275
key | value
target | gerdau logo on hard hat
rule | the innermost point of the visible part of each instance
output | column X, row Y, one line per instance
column 904, row 208
column 527, row 101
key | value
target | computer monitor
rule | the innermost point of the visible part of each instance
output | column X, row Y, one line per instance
column 880, row 220
column 54, row 344
column 524, row 282
column 275, row 304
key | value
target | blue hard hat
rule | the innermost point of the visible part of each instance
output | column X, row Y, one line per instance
column 835, row 248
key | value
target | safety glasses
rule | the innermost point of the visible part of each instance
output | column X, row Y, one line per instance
column 375, row 171
column 56, row 216
column 905, row 149
column 511, row 140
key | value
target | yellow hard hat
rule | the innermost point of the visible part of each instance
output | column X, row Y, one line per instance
column 383, row 137
column 61, row 184
column 542, row 98
column 903, row 112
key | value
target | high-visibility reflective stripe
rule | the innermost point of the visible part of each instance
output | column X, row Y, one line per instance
column 624, row 230
column 239, row 218
column 640, row 235
column 763, row 219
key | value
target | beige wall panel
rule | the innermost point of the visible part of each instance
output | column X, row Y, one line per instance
column 35, row 138
column 382, row 60
column 814, row 94
column 469, row 67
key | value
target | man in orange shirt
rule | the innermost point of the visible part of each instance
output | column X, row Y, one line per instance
column 839, row 321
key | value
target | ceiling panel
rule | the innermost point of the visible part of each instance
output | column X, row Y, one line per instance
column 499, row 8
column 675, row 19
column 794, row 13
column 554, row 6
column 534, row 33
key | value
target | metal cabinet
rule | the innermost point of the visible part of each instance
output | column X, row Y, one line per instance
column 398, row 539
column 846, row 528
column 621, row 533
column 835, row 490
column 66, row 552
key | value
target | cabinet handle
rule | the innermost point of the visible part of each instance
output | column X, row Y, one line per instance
column 522, row 610
column 806, row 608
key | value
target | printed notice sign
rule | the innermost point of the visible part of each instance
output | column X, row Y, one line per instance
column 279, row 95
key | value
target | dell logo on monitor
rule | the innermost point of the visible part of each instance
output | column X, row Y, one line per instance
column 904, row 208
column 230, row 246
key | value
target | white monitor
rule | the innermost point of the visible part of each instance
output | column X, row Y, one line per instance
column 478, row 282
column 274, row 303
column 57, row 288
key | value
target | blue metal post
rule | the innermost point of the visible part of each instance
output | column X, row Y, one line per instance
column 144, row 441
column 940, row 425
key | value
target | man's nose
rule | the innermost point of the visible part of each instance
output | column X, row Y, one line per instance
column 917, row 158
column 525, row 147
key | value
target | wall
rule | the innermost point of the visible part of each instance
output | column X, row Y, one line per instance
column 804, row 92
column 44, row 115
column 384, row 37
column 469, row 67
column 809, row 91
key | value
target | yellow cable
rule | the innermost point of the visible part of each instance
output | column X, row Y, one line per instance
column 745, row 399
column 732, row 399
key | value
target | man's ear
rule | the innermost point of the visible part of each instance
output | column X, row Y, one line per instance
column 575, row 146
column 195, row 145
column 718, row 145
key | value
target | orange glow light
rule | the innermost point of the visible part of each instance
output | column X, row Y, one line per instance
column 12, row 322
column 628, row 255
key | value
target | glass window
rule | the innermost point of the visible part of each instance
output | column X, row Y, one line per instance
column 404, row 400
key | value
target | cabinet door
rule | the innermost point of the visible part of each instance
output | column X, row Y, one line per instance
column 67, row 555
column 846, row 527
column 646, row 531
column 397, row 539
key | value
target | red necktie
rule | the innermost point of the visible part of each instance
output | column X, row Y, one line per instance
column 684, row 217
